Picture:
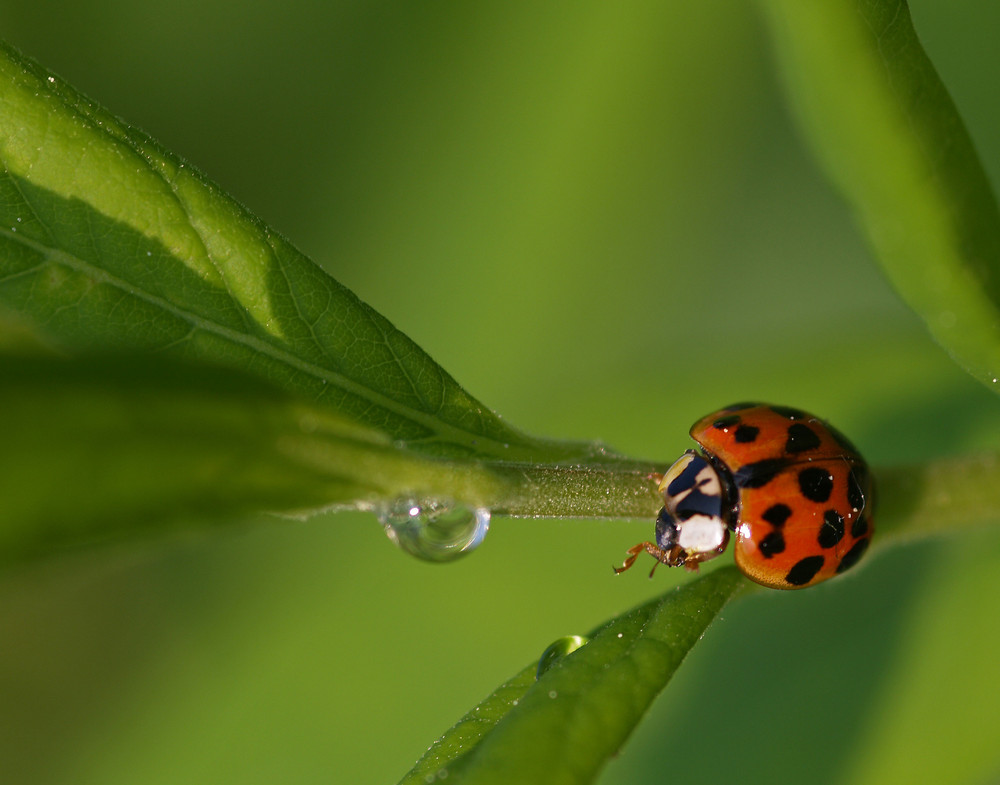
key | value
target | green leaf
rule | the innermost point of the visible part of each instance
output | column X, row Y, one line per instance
column 890, row 138
column 470, row 730
column 563, row 728
column 107, row 241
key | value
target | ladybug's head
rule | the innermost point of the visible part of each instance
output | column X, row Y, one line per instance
column 691, row 520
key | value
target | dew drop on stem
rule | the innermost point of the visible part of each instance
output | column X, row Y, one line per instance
column 433, row 530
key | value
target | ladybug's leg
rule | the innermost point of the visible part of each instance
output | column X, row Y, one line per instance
column 633, row 553
column 657, row 563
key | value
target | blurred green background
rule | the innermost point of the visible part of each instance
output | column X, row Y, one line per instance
column 599, row 218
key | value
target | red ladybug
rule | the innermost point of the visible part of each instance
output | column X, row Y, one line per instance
column 796, row 493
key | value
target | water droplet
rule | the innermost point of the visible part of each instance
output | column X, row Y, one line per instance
column 434, row 530
column 559, row 649
column 553, row 694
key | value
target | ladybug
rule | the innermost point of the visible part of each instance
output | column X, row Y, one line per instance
column 795, row 492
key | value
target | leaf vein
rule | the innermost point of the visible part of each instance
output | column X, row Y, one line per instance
column 373, row 397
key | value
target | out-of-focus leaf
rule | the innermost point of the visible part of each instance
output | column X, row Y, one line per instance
column 891, row 139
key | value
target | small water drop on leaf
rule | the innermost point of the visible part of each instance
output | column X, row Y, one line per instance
column 435, row 531
column 557, row 650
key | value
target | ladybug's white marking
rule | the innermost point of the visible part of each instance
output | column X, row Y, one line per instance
column 708, row 483
column 701, row 534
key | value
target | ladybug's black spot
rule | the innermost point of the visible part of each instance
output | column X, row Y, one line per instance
column 855, row 494
column 789, row 412
column 757, row 475
column 832, row 530
column 777, row 514
column 726, row 422
column 816, row 483
column 746, row 434
column 854, row 555
column 801, row 438
column 860, row 526
column 805, row 570
column 772, row 544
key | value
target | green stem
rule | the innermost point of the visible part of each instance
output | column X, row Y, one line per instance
column 625, row 489
column 944, row 496
column 134, row 448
